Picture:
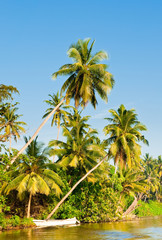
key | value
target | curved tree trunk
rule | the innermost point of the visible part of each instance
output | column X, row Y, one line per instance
column 132, row 207
column 29, row 205
column 72, row 189
column 57, row 140
column 37, row 131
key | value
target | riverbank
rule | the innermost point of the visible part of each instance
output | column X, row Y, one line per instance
column 150, row 209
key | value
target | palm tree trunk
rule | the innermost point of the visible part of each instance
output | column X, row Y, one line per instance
column 10, row 146
column 116, row 164
column 29, row 205
column 72, row 189
column 37, row 131
column 57, row 140
column 58, row 132
column 131, row 207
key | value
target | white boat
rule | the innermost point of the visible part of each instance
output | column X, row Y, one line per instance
column 53, row 223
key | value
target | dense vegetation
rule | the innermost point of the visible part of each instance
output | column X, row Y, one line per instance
column 33, row 183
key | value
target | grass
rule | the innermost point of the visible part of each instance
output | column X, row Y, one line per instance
column 152, row 208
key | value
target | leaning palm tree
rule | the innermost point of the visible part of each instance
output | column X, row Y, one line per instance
column 124, row 133
column 33, row 175
column 133, row 184
column 86, row 77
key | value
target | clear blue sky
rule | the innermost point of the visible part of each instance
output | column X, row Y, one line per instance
column 35, row 36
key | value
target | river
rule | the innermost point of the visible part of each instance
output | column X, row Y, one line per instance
column 146, row 228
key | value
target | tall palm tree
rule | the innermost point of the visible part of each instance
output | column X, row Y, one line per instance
column 33, row 176
column 124, row 133
column 87, row 76
column 12, row 127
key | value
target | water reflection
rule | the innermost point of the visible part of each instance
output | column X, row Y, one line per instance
column 147, row 228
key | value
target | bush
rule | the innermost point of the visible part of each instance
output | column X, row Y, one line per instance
column 15, row 221
column 88, row 203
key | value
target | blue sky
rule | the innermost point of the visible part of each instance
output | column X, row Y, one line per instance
column 35, row 36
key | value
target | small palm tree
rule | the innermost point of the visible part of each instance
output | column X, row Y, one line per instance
column 133, row 181
column 125, row 133
column 59, row 114
column 133, row 184
column 6, row 92
column 12, row 127
column 33, row 176
column 152, row 174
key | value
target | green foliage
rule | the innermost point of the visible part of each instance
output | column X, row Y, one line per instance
column 152, row 208
column 27, row 222
column 153, row 175
column 15, row 221
column 3, row 206
column 89, row 203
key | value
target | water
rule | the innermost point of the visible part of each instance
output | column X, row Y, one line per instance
column 146, row 228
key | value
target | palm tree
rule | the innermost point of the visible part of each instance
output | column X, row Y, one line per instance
column 6, row 92
column 36, row 149
column 87, row 76
column 134, row 184
column 80, row 149
column 12, row 127
column 130, row 182
column 59, row 114
column 33, row 176
column 152, row 174
column 125, row 133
